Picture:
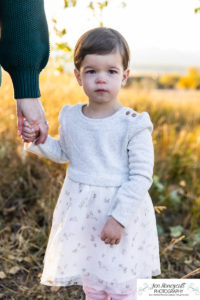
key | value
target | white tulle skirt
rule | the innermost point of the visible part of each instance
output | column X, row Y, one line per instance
column 76, row 255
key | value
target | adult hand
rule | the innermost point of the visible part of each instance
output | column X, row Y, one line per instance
column 32, row 110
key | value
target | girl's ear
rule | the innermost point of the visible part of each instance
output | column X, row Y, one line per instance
column 78, row 76
column 125, row 76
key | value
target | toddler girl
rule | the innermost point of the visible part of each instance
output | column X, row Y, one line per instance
column 103, row 233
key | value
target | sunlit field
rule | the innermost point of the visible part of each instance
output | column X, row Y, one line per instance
column 29, row 186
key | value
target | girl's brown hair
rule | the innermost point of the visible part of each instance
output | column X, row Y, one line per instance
column 101, row 41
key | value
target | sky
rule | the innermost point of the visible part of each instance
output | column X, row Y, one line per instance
column 159, row 32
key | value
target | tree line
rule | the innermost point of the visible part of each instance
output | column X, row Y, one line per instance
column 167, row 81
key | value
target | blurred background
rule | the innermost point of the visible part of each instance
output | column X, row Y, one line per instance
column 164, row 81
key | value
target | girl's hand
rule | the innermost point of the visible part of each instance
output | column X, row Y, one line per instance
column 112, row 232
column 29, row 133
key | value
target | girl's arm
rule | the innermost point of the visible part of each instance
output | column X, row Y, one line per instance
column 53, row 149
column 132, row 192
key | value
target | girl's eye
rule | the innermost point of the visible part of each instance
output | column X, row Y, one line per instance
column 90, row 72
column 112, row 71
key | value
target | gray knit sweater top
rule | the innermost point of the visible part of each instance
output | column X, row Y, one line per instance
column 112, row 151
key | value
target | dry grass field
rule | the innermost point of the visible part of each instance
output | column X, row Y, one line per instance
column 29, row 186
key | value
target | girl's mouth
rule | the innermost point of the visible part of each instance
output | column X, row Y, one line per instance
column 101, row 90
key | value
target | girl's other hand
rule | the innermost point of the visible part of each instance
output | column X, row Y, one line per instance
column 112, row 232
column 29, row 132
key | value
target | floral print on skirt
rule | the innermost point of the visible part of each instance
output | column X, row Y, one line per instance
column 76, row 255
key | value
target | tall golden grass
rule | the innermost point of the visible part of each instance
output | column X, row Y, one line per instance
column 29, row 186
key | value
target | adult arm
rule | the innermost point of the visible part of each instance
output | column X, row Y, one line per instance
column 24, row 44
column 24, row 52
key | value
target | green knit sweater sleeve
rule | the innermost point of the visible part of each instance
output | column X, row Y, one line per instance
column 24, row 44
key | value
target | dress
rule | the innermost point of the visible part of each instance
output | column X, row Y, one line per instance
column 75, row 253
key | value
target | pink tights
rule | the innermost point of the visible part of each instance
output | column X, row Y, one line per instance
column 92, row 294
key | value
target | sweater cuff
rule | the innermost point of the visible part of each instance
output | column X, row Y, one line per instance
column 25, row 83
column 119, row 219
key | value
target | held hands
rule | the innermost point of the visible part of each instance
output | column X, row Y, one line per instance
column 30, row 133
column 112, row 232
column 33, row 111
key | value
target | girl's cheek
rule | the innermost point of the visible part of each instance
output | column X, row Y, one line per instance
column 88, row 83
column 87, row 88
column 116, row 84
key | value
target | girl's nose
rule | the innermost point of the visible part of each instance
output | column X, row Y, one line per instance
column 100, row 79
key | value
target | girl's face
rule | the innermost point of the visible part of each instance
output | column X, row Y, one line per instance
column 102, row 76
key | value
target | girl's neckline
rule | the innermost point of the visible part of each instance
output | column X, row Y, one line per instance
column 80, row 107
